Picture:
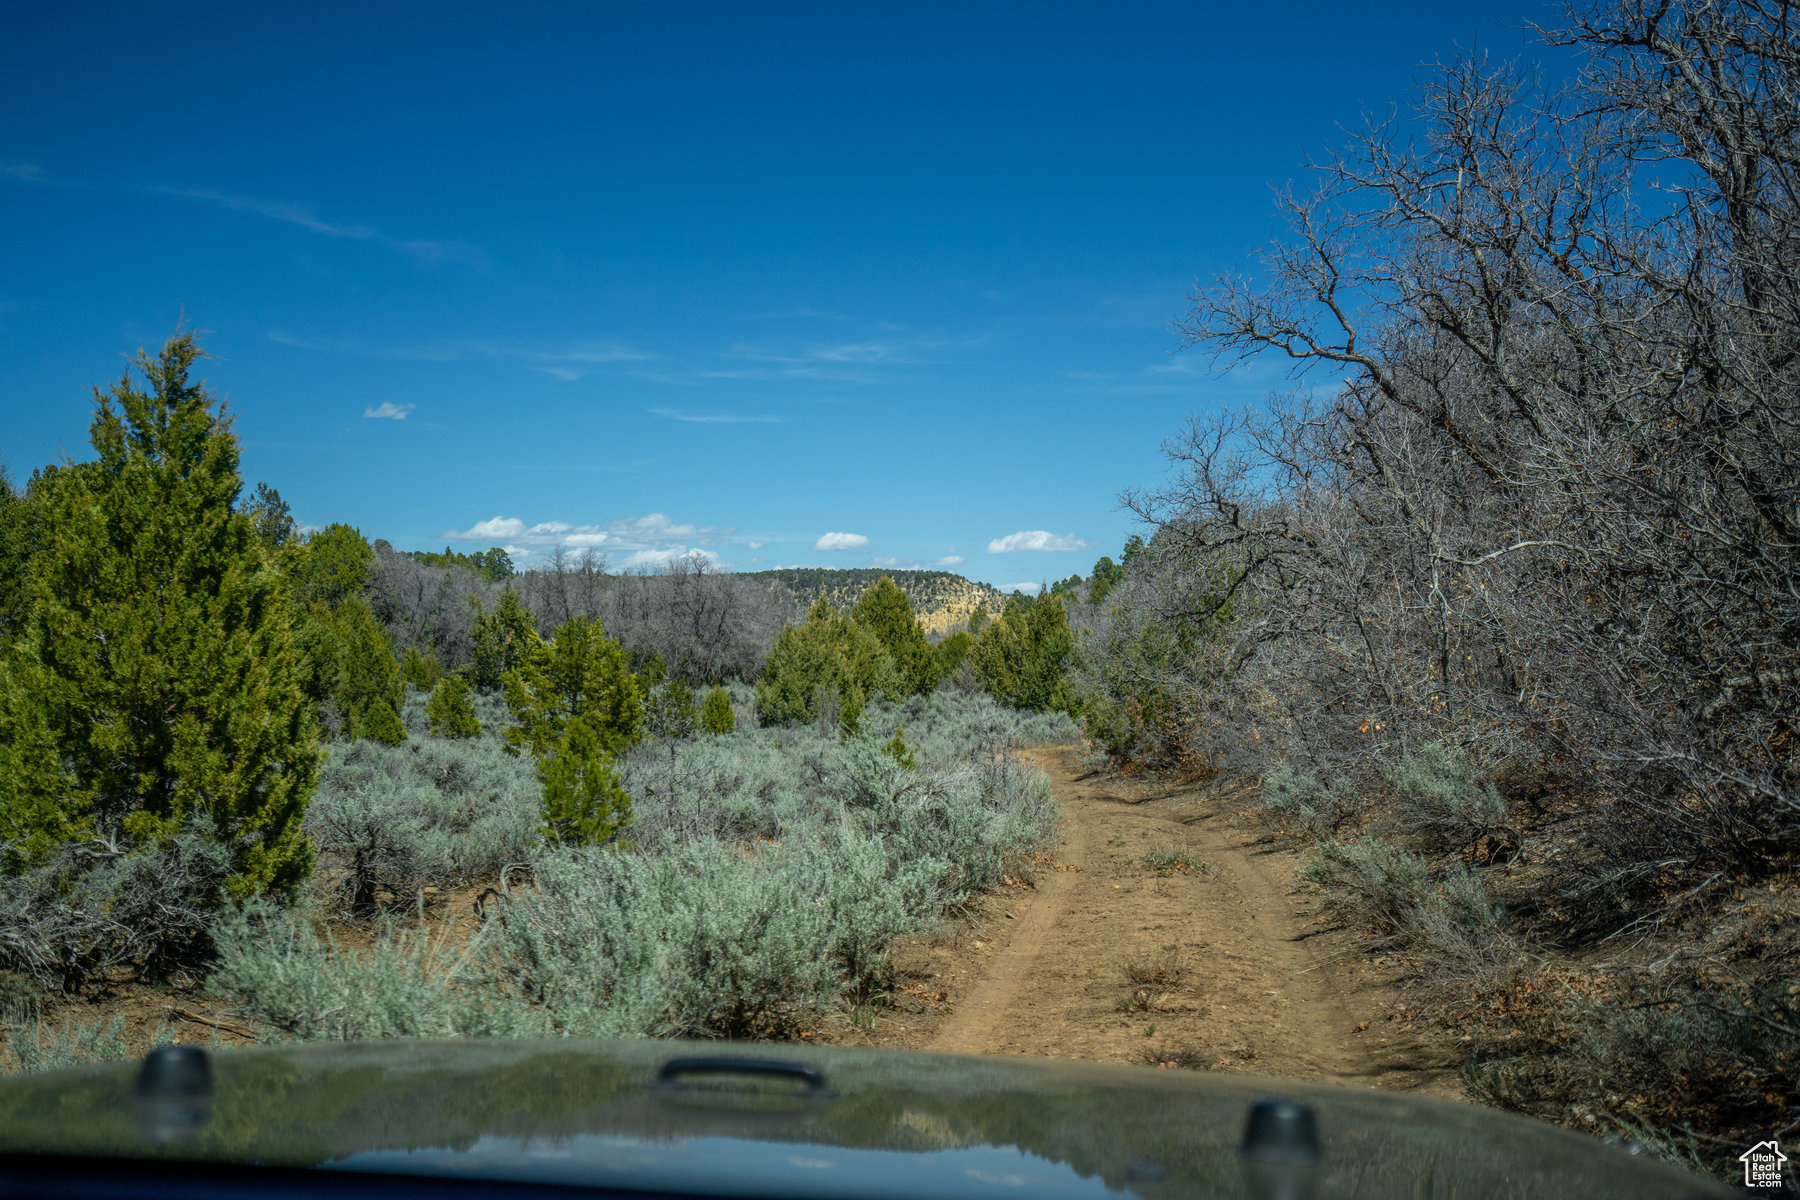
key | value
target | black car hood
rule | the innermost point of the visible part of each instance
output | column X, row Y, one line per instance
column 884, row 1124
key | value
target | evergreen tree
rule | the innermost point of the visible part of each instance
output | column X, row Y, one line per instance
column 829, row 664
column 368, row 680
column 501, row 639
column 421, row 670
column 380, row 723
column 16, row 516
column 273, row 519
column 885, row 611
column 951, row 652
column 1107, row 576
column 584, row 802
column 1021, row 658
column 578, row 673
column 716, row 714
column 898, row 750
column 153, row 682
column 451, row 711
column 336, row 565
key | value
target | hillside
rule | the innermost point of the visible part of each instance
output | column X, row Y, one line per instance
column 942, row 599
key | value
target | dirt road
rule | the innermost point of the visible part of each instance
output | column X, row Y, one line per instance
column 1121, row 953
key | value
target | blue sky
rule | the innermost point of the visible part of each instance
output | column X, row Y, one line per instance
column 832, row 284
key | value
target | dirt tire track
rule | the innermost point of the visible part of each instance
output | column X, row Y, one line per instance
column 1260, row 990
column 984, row 1010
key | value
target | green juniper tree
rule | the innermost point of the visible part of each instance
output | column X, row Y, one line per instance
column 579, row 672
column 828, row 664
column 421, row 669
column 578, row 707
column 501, row 639
column 336, row 565
column 885, row 611
column 1022, row 656
column 951, row 652
column 369, row 686
column 716, row 715
column 451, row 711
column 273, row 518
column 153, row 682
column 584, row 802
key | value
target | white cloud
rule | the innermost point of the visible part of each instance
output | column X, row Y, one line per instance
column 1035, row 539
column 642, row 541
column 949, row 560
column 663, row 557
column 841, row 541
column 656, row 525
column 488, row 530
column 389, row 411
column 885, row 560
column 754, row 545
column 1027, row 588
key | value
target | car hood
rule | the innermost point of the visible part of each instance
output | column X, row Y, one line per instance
column 883, row 1124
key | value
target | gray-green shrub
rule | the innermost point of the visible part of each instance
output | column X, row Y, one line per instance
column 1369, row 881
column 39, row 1045
column 1292, row 794
column 307, row 986
column 389, row 820
column 1443, row 795
column 1395, row 892
column 767, row 874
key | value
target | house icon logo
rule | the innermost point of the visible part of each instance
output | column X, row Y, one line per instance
column 1762, row 1164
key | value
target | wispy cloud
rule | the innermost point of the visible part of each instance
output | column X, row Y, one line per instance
column 1030, row 589
column 716, row 418
column 949, row 560
column 859, row 363
column 567, row 362
column 857, row 353
column 389, row 411
column 20, row 172
column 1174, row 366
column 274, row 210
column 841, row 541
column 1035, row 539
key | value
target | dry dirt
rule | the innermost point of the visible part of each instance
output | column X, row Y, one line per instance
column 1227, row 966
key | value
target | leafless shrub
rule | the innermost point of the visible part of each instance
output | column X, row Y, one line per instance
column 99, row 905
column 1551, row 510
column 1542, row 504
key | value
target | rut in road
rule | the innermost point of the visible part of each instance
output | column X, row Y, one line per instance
column 1220, row 967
